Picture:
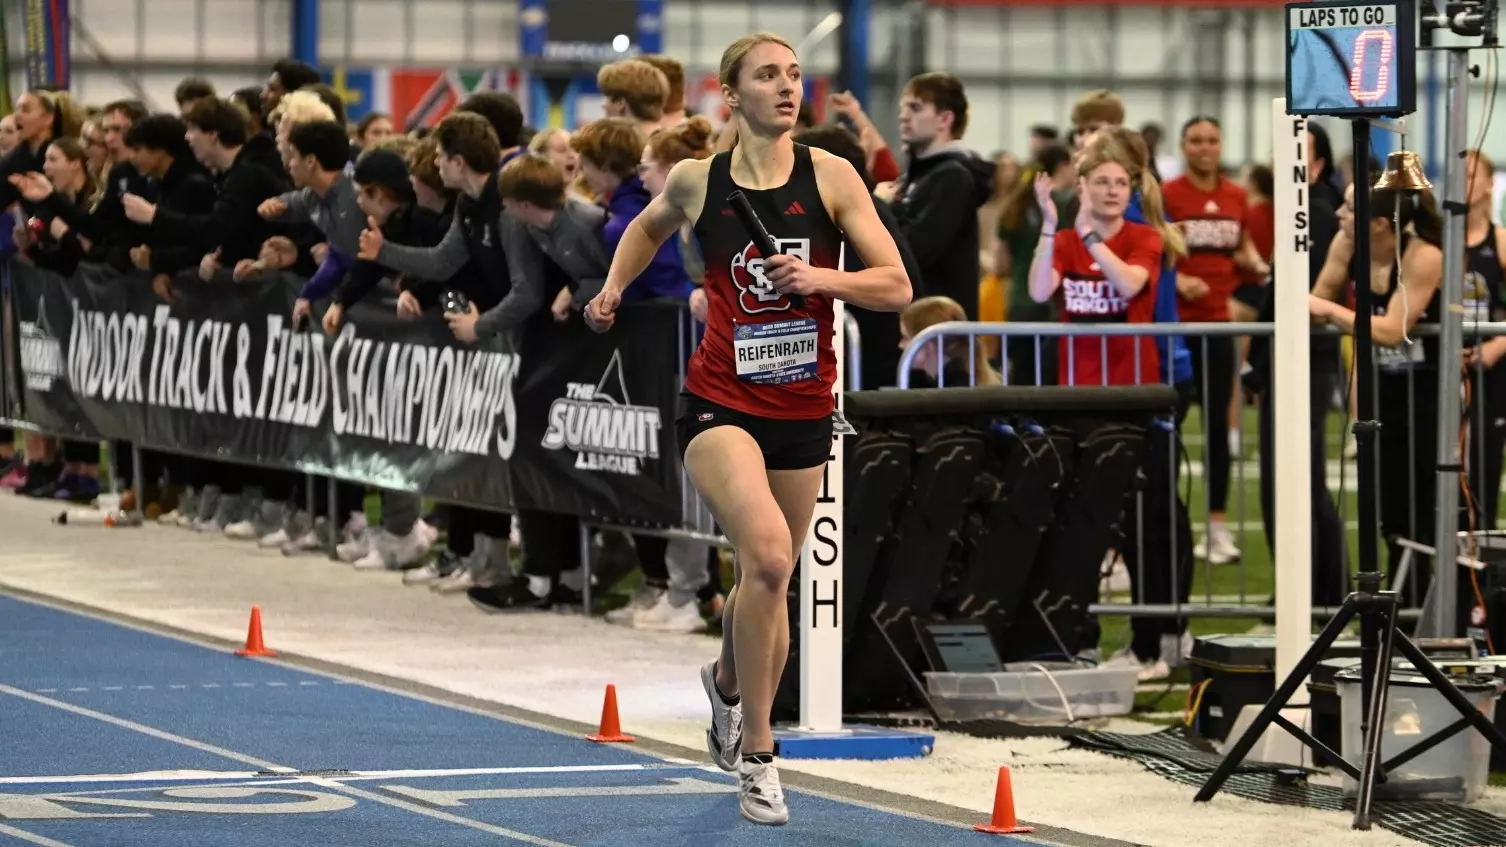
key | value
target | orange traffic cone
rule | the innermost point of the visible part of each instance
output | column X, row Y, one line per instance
column 611, row 728
column 254, row 645
column 1004, row 821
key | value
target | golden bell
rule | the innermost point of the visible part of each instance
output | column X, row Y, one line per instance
column 1404, row 173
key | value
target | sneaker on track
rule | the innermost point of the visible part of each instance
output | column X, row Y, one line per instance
column 724, row 738
column 760, row 797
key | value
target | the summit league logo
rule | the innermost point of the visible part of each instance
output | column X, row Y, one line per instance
column 602, row 426
column 754, row 291
column 42, row 361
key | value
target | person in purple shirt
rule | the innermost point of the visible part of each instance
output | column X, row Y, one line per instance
column 610, row 150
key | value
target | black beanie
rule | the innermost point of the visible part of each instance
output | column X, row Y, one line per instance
column 385, row 168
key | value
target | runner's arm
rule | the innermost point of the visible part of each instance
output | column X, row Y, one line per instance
column 882, row 285
column 654, row 225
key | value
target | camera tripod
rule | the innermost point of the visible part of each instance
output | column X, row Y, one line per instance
column 1376, row 609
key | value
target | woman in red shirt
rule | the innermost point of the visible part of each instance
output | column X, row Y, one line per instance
column 1104, row 267
column 1212, row 213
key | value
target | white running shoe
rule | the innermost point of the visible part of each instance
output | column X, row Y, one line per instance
column 1150, row 670
column 275, row 538
column 1217, row 546
column 760, row 797
column 644, row 598
column 241, row 531
column 725, row 737
column 665, row 616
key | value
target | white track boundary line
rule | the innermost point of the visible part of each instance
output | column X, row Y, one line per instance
column 410, row 773
column 252, row 760
column 30, row 837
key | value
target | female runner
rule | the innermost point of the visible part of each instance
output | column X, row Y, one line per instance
column 756, row 423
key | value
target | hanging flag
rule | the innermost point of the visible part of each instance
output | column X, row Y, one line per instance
column 364, row 90
column 47, row 44
column 6, row 103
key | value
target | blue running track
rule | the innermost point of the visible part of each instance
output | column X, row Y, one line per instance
column 110, row 735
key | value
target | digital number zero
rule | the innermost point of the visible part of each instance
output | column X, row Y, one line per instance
column 1362, row 48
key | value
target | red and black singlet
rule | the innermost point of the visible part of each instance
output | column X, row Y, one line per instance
column 762, row 354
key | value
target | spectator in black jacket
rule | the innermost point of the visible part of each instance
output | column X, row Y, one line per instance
column 937, row 199
column 56, row 247
column 495, row 244
column 40, row 117
column 231, row 230
column 161, row 152
column 879, row 331
column 385, row 194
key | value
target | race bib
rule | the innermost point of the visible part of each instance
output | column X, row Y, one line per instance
column 776, row 353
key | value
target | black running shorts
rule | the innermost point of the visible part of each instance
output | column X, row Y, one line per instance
column 1252, row 294
column 788, row 445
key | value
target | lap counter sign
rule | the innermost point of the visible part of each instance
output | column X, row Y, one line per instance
column 821, row 734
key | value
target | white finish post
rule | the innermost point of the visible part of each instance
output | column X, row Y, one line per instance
column 1291, row 395
column 820, row 574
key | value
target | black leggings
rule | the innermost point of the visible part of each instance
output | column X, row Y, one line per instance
column 466, row 523
column 1213, row 360
column 651, row 551
column 1160, row 527
column 551, row 542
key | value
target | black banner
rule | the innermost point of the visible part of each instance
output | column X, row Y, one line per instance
column 566, row 420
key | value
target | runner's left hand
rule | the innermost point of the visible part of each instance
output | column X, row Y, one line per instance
column 789, row 275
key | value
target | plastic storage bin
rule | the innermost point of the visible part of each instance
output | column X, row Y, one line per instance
column 1025, row 692
column 1455, row 770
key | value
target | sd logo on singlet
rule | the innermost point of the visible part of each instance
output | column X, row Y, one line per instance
column 755, row 294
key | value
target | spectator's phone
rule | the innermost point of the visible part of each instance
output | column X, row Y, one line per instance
column 765, row 243
column 456, row 302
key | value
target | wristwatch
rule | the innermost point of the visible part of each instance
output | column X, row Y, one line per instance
column 1091, row 237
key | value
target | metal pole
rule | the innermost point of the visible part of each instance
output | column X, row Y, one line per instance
column 1444, row 614
column 1364, row 427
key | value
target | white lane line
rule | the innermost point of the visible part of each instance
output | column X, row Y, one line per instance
column 137, row 727
column 78, row 689
column 411, row 773
column 112, row 688
column 145, row 687
column 245, row 685
column 308, row 682
column 210, row 685
column 262, row 763
column 47, row 691
column 30, row 837
column 277, row 684
column 177, row 686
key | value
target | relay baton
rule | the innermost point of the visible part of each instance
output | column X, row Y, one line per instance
column 758, row 233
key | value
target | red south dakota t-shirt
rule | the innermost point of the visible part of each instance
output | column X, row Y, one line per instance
column 1089, row 297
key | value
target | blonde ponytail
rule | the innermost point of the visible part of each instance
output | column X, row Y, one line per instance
column 1173, row 245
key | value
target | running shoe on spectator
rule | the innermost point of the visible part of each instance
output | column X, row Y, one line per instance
column 295, row 523
column 1150, row 669
column 208, row 503
column 1217, row 546
column 356, row 537
column 438, row 568
column 644, row 598
column 230, row 509
column 13, row 473
column 487, row 566
column 267, row 518
column 316, row 537
column 512, row 596
column 392, row 552
column 188, row 504
column 665, row 616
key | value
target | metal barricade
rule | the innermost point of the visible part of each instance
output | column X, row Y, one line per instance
column 1407, row 469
